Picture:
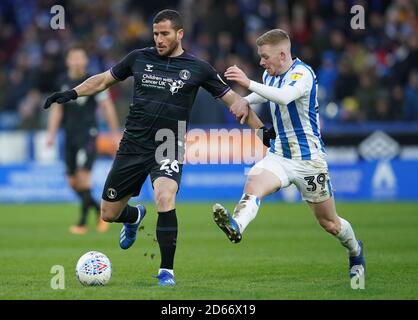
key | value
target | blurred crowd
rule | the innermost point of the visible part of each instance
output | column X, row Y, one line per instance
column 368, row 74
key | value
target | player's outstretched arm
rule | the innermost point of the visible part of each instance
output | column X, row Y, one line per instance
column 92, row 85
column 254, row 98
column 95, row 84
column 283, row 95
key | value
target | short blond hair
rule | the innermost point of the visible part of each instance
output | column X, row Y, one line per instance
column 273, row 37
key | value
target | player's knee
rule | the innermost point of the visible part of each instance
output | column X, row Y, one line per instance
column 250, row 189
column 165, row 199
column 107, row 214
column 251, row 186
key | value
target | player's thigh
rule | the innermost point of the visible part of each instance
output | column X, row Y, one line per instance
column 126, row 177
column 266, row 177
column 110, row 210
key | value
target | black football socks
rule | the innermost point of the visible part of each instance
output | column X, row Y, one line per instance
column 167, row 237
column 129, row 215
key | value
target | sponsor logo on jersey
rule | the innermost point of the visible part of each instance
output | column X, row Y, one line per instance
column 175, row 86
column 148, row 67
column 158, row 82
column 296, row 75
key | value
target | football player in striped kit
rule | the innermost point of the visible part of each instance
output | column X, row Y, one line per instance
column 297, row 154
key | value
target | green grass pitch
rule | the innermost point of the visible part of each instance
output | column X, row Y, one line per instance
column 284, row 255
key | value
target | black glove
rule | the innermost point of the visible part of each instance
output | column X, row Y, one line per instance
column 266, row 135
column 60, row 97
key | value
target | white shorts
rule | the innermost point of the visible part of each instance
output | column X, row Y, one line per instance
column 309, row 176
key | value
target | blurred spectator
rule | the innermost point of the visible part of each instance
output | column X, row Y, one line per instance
column 397, row 100
column 319, row 40
column 347, row 80
column 366, row 95
column 410, row 107
column 327, row 76
column 16, row 88
column 382, row 110
column 341, row 16
column 350, row 111
column 300, row 31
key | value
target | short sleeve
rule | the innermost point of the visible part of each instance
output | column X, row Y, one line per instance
column 123, row 69
column 213, row 82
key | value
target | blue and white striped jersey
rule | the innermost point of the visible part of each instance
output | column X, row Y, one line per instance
column 297, row 123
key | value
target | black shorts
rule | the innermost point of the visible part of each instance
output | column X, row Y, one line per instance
column 129, row 172
column 79, row 155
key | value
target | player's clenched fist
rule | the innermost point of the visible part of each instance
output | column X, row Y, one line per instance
column 240, row 110
column 60, row 97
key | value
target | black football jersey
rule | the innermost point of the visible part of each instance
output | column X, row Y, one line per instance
column 164, row 90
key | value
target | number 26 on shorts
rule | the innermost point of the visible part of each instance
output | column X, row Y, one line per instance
column 174, row 166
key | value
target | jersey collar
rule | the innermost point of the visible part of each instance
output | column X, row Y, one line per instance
column 296, row 61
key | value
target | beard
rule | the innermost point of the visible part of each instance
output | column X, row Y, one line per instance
column 171, row 49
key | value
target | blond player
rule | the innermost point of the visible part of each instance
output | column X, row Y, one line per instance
column 297, row 155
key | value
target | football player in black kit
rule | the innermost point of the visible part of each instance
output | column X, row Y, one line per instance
column 166, row 81
column 80, row 126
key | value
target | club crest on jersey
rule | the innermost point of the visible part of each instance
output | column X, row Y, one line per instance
column 111, row 193
column 296, row 75
column 175, row 86
column 148, row 67
column 185, row 74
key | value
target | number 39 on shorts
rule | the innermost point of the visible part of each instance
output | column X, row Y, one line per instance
column 316, row 188
column 314, row 181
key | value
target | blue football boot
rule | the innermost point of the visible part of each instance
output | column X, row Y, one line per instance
column 226, row 223
column 128, row 233
column 357, row 265
column 165, row 279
